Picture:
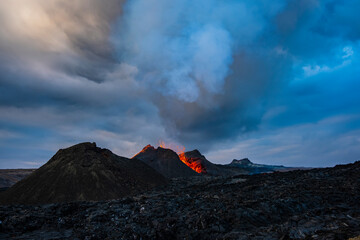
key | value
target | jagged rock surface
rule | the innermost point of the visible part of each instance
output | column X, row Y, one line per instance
column 311, row 204
column 165, row 161
column 83, row 172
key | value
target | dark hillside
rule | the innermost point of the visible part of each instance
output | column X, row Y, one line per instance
column 83, row 172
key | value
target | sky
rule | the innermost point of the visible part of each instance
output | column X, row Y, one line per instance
column 275, row 81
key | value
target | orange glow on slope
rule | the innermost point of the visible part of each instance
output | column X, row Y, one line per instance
column 193, row 163
column 146, row 148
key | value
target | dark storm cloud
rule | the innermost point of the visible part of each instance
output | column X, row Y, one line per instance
column 60, row 83
column 68, row 37
column 224, row 116
column 272, row 57
column 200, row 73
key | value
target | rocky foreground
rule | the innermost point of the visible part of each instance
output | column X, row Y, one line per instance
column 312, row 204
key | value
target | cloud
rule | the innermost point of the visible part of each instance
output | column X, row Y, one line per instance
column 324, row 143
column 70, row 38
column 198, row 73
column 200, row 62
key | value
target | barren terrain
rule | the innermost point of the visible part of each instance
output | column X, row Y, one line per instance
column 308, row 204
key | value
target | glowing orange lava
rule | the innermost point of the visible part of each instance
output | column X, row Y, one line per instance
column 193, row 163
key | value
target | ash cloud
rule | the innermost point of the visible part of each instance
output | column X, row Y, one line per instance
column 208, row 65
column 202, row 73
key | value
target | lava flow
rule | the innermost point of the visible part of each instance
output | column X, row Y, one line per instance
column 193, row 163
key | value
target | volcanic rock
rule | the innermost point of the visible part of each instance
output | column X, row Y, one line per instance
column 165, row 161
column 83, row 172
column 196, row 161
column 318, row 204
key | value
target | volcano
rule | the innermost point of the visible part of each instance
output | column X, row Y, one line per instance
column 165, row 161
column 83, row 172
column 196, row 161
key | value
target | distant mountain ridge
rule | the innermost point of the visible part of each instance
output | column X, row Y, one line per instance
column 9, row 177
column 254, row 168
column 198, row 162
column 244, row 161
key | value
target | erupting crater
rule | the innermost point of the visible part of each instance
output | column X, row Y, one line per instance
column 168, row 153
column 165, row 161
column 194, row 161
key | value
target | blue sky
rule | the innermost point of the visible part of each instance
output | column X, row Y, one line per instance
column 276, row 82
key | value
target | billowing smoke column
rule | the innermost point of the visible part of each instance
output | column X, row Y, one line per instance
column 193, row 55
column 183, row 45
